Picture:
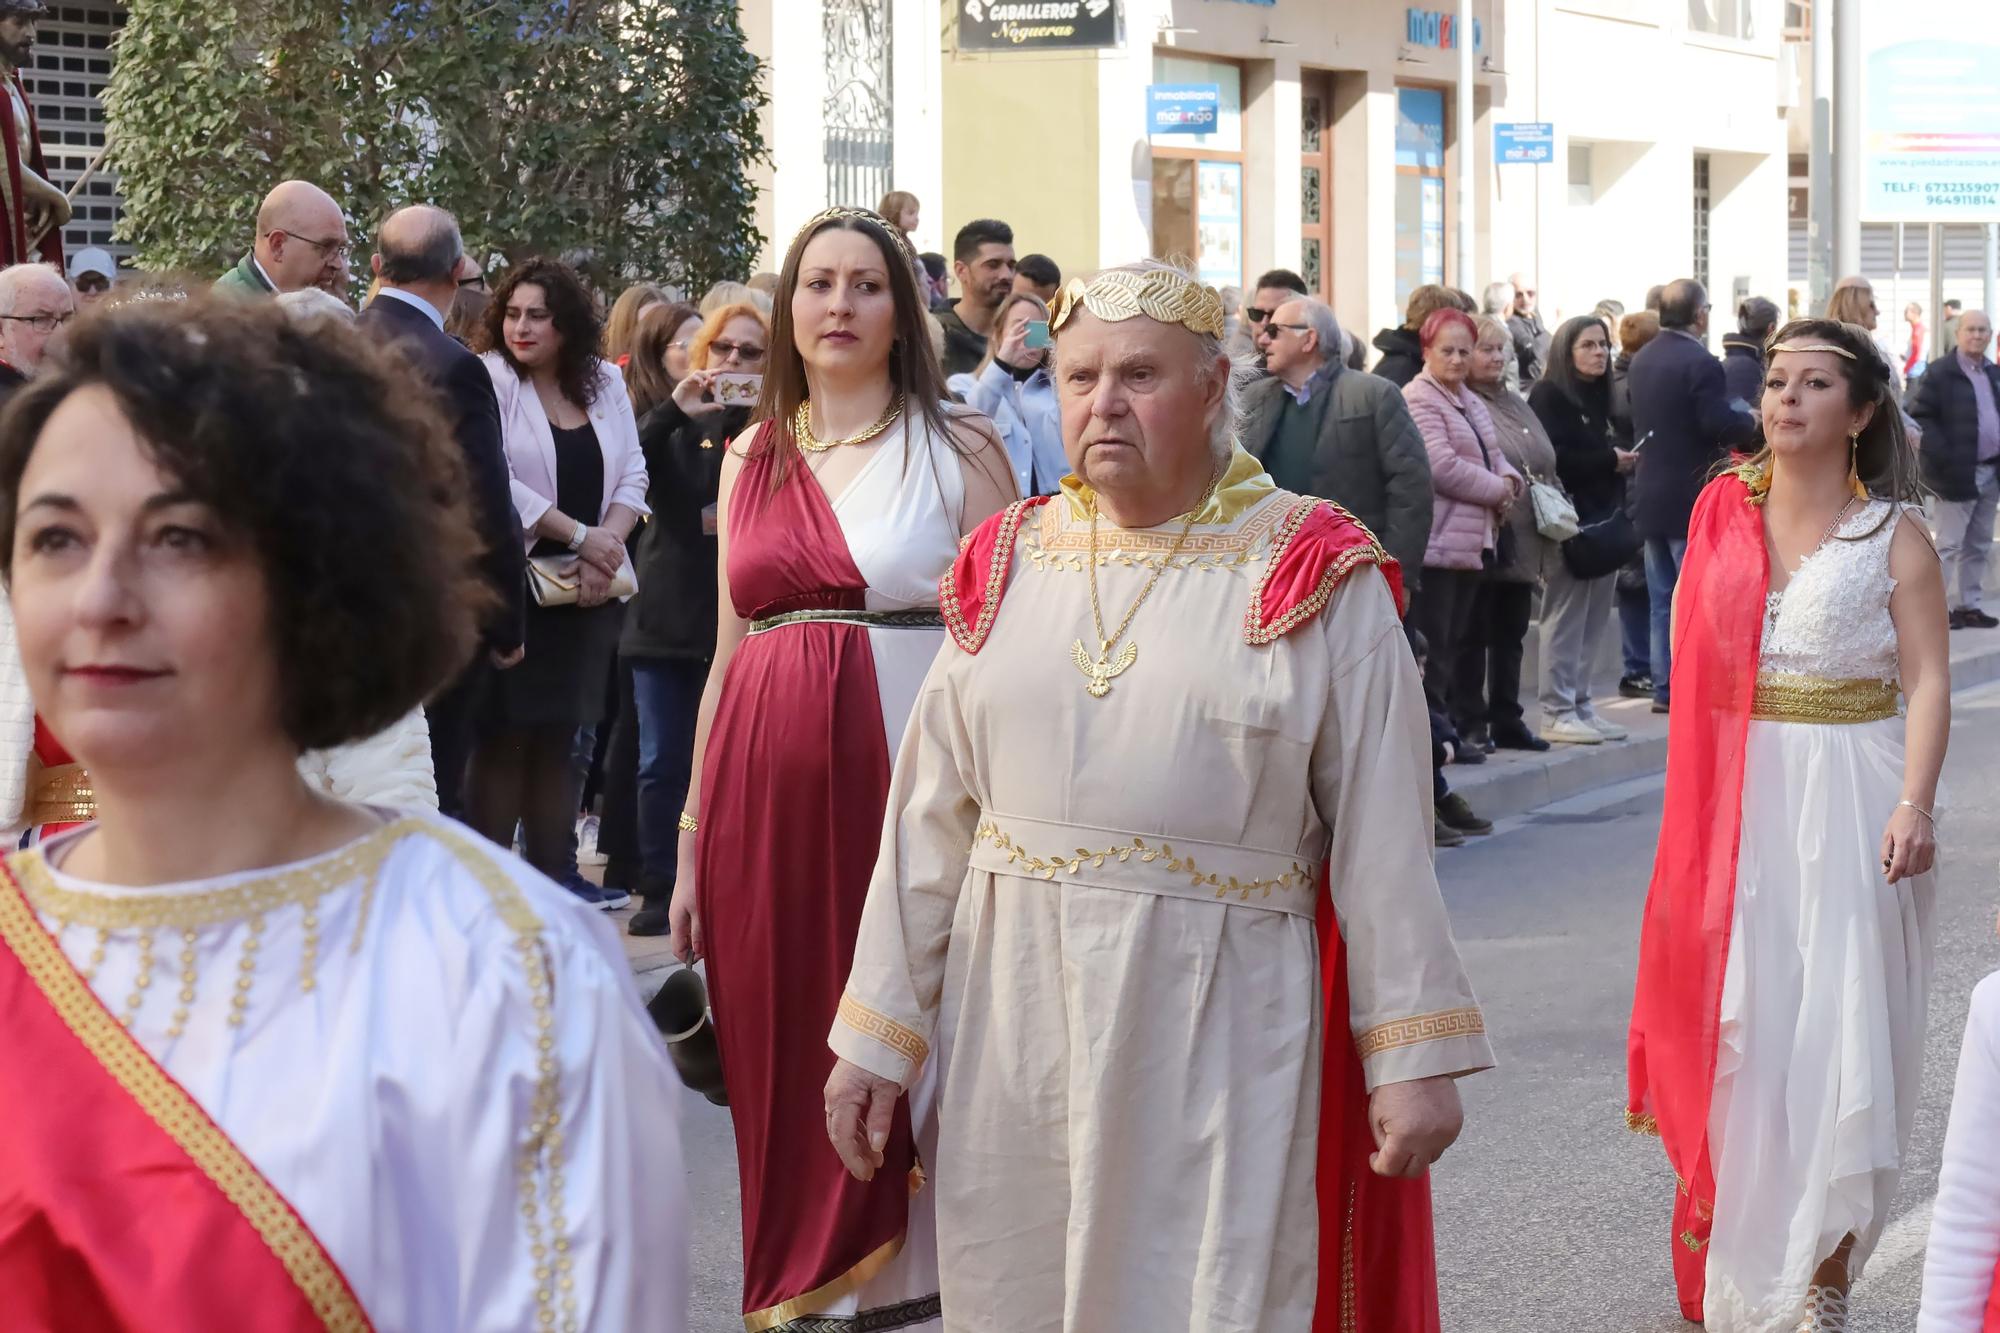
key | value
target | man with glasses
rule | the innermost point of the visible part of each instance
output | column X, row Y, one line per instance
column 1531, row 336
column 36, row 306
column 301, row 242
column 1321, row 429
column 1272, row 290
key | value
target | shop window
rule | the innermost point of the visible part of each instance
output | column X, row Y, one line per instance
column 1420, row 190
column 1198, row 178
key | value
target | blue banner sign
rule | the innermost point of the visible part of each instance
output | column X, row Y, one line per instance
column 1183, row 108
column 1524, row 141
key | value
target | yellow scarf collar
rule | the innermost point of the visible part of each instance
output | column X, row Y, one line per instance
column 1242, row 486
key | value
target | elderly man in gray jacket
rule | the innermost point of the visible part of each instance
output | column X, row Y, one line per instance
column 1321, row 429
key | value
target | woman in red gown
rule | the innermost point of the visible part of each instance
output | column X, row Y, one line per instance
column 839, row 509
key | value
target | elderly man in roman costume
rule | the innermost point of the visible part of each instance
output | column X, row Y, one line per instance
column 1183, row 1088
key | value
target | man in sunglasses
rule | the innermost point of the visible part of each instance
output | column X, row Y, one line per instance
column 36, row 306
column 301, row 242
column 1273, row 290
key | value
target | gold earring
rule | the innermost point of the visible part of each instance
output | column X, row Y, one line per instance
column 1854, row 466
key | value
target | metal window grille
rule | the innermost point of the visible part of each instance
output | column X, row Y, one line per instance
column 71, row 65
column 860, row 143
column 1701, row 198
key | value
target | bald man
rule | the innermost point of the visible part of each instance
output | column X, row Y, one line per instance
column 301, row 242
column 36, row 306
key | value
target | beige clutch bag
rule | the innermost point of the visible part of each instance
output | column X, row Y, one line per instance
column 552, row 587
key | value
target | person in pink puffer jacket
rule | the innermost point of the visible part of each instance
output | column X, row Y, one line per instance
column 1472, row 484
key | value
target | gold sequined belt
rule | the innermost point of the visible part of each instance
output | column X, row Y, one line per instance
column 865, row 619
column 59, row 795
column 1145, row 863
column 1790, row 698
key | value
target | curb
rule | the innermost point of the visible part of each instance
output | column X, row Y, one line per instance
column 1572, row 770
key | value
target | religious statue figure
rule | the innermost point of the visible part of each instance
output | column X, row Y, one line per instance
column 35, row 208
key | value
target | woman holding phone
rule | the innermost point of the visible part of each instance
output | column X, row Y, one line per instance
column 669, row 636
column 1013, row 387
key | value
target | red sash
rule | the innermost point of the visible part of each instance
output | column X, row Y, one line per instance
column 122, row 1205
column 1684, row 943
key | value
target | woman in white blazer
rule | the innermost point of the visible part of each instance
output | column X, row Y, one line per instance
column 579, row 482
column 1013, row 387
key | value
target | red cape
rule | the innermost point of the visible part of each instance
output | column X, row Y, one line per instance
column 1684, row 943
column 1377, row 1264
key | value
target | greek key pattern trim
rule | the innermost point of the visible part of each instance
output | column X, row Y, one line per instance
column 1420, row 1029
column 1298, row 877
column 1254, row 532
column 179, row 1115
column 1257, row 631
column 904, row 1041
column 1078, row 562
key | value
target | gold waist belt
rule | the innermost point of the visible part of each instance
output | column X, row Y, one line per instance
column 59, row 795
column 865, row 619
column 1145, row 863
column 1787, row 698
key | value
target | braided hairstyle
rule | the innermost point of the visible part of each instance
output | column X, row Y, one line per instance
column 1885, row 459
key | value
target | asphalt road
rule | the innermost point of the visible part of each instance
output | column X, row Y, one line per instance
column 1551, row 1216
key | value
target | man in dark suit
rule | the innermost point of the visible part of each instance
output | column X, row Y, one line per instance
column 1957, row 403
column 418, row 258
column 1684, row 425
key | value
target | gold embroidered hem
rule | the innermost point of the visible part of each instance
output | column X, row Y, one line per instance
column 904, row 1041
column 1642, row 1124
column 1256, row 630
column 1815, row 699
column 1422, row 1028
column 812, row 1302
column 1295, row 875
column 169, row 1105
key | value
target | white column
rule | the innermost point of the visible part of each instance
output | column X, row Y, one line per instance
column 1271, row 187
column 1124, row 158
column 917, row 114
column 1467, row 149
column 1992, row 270
column 797, row 84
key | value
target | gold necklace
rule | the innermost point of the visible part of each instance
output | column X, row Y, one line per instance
column 1103, row 671
column 803, row 433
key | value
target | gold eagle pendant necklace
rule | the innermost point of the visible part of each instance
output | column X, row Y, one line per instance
column 1104, row 669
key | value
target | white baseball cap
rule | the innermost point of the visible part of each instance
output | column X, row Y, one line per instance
column 92, row 259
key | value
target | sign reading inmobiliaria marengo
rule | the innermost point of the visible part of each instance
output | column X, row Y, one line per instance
column 1930, row 112
column 1036, row 25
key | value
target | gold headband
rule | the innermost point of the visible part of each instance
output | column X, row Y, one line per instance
column 1812, row 347
column 1164, row 294
column 842, row 213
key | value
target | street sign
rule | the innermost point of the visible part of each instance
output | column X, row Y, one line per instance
column 1037, row 25
column 1930, row 143
column 1524, row 141
column 1183, row 108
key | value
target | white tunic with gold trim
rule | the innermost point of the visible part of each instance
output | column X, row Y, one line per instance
column 436, row 1056
column 1099, row 911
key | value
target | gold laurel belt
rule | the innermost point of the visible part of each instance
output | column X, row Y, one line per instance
column 59, row 795
column 865, row 619
column 1816, row 699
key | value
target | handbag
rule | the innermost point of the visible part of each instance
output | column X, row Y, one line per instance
column 552, row 587
column 1603, row 547
column 1555, row 516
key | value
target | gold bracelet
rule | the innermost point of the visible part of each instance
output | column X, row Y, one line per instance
column 688, row 824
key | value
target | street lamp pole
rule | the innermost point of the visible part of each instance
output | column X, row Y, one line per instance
column 1464, row 33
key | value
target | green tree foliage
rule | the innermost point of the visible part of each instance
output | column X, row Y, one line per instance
column 614, row 133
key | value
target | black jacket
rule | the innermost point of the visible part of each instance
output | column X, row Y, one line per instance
column 1621, row 400
column 963, row 349
column 461, row 381
column 1402, row 356
column 1943, row 404
column 1684, row 427
column 1531, row 345
column 1586, row 463
column 673, row 613
column 1743, row 367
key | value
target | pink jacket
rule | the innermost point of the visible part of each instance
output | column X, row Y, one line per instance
column 1469, row 487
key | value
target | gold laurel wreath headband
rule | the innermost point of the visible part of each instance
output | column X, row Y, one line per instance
column 843, row 213
column 1812, row 347
column 1164, row 294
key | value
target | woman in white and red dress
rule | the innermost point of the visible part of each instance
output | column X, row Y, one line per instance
column 275, row 1059
column 838, row 511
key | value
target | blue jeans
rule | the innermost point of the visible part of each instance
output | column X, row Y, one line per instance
column 1635, row 627
column 1663, row 571
column 667, row 694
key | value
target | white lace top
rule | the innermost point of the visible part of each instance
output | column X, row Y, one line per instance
column 1832, row 620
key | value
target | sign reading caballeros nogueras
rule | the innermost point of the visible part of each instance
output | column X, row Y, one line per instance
column 1036, row 25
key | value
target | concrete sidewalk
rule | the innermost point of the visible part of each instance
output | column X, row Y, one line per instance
column 1513, row 782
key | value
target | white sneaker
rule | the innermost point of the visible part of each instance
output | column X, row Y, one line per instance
column 586, row 843
column 1611, row 731
column 1571, row 730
